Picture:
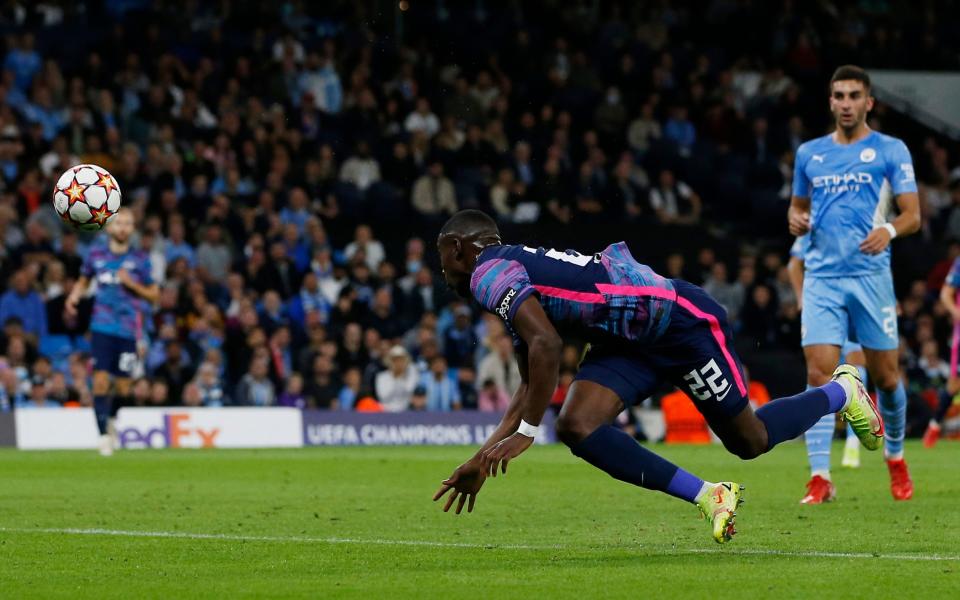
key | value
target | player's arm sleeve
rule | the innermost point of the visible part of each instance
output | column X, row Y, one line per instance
column 900, row 169
column 801, row 185
column 501, row 286
column 86, row 269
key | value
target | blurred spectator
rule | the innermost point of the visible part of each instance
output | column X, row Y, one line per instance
column 441, row 390
column 394, row 387
column 674, row 202
column 363, row 241
column 433, row 193
column 213, row 254
column 322, row 387
column 25, row 304
column 292, row 395
column 500, row 365
column 459, row 342
column 361, row 169
column 255, row 387
column 492, row 398
column 421, row 120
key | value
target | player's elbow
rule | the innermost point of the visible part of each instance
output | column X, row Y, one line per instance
column 546, row 346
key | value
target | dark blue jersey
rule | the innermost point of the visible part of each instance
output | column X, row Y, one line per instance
column 604, row 295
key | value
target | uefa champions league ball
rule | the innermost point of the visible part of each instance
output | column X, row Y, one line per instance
column 86, row 197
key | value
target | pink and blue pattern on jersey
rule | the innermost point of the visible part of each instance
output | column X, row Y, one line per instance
column 608, row 293
column 639, row 299
column 117, row 311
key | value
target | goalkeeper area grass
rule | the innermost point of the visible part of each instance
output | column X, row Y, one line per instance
column 359, row 522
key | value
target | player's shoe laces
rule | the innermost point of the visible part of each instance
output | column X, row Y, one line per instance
column 931, row 435
column 861, row 412
column 901, row 486
column 819, row 490
column 718, row 506
column 851, row 455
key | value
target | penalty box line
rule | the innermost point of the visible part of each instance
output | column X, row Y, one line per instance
column 185, row 535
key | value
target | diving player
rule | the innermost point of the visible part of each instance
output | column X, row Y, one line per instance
column 643, row 329
column 842, row 186
column 121, row 310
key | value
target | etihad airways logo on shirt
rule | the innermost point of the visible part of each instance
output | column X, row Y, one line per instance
column 504, row 308
column 841, row 179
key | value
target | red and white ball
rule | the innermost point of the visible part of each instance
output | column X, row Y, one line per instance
column 86, row 197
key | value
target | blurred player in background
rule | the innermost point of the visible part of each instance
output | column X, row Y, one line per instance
column 842, row 186
column 124, row 300
column 850, row 353
column 948, row 296
column 643, row 330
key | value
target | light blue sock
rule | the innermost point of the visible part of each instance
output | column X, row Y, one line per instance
column 818, row 440
column 864, row 378
column 893, row 409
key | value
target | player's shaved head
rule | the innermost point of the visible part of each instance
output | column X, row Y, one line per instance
column 470, row 223
column 461, row 240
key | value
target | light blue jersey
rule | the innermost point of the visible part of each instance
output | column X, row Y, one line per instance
column 851, row 188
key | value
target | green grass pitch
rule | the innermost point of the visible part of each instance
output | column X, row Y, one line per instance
column 358, row 522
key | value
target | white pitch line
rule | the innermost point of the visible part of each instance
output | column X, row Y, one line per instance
column 427, row 543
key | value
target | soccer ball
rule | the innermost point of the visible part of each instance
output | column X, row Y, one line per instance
column 86, row 197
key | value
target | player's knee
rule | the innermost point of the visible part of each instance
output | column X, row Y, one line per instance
column 817, row 376
column 746, row 448
column 888, row 380
column 572, row 430
column 101, row 383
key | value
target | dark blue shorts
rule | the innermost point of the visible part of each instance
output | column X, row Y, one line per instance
column 114, row 354
column 695, row 354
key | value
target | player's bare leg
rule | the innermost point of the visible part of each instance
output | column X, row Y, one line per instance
column 892, row 399
column 821, row 360
column 584, row 425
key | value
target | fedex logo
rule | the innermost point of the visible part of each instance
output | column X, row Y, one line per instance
column 175, row 432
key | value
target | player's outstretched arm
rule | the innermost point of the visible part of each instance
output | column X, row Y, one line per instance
column 544, row 346
column 468, row 478
column 150, row 293
column 907, row 222
column 798, row 216
column 795, row 271
column 70, row 304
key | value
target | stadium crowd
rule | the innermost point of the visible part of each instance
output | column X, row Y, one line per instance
column 289, row 166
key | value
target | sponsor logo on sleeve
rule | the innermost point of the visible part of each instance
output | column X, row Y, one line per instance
column 504, row 309
column 907, row 170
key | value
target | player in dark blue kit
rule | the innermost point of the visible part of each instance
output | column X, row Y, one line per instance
column 643, row 329
column 121, row 308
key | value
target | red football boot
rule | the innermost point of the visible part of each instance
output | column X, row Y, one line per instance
column 931, row 435
column 819, row 490
column 900, row 484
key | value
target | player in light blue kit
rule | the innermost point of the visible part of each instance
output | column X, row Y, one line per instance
column 818, row 452
column 842, row 189
column 125, row 294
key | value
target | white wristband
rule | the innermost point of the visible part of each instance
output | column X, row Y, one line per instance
column 893, row 230
column 527, row 429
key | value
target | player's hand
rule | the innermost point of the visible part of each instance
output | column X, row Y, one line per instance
column 466, row 481
column 123, row 276
column 70, row 307
column 799, row 221
column 504, row 452
column 876, row 242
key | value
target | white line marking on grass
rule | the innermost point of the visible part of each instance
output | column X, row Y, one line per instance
column 431, row 544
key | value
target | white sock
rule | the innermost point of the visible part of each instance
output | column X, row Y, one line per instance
column 849, row 388
column 706, row 487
